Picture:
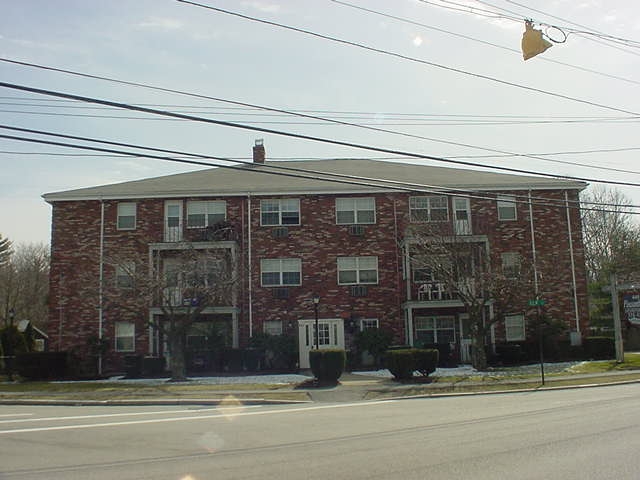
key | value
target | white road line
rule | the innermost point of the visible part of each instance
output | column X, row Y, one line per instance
column 129, row 414
column 16, row 415
column 186, row 419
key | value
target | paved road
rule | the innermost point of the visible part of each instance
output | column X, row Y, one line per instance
column 573, row 434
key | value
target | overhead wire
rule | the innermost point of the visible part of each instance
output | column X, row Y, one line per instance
column 407, row 57
column 362, row 122
column 266, row 108
column 598, row 37
column 387, row 158
column 467, row 37
column 297, row 172
column 257, row 109
column 589, row 31
column 299, row 135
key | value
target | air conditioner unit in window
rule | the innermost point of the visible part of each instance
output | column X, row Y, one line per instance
column 281, row 292
column 359, row 290
column 280, row 232
column 356, row 230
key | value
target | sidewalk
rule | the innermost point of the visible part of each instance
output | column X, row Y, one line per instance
column 351, row 388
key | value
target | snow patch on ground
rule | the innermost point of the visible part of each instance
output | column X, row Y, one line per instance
column 469, row 371
column 283, row 379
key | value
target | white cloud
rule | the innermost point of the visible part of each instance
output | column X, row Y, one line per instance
column 161, row 23
column 263, row 6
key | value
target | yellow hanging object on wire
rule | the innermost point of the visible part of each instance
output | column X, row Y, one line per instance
column 532, row 42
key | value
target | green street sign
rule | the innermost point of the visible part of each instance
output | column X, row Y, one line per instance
column 536, row 302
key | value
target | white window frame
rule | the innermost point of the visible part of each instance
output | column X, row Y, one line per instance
column 515, row 328
column 435, row 327
column 506, row 203
column 284, row 206
column 124, row 213
column 280, row 266
column 210, row 207
column 511, row 262
column 353, row 264
column 369, row 324
column 125, row 271
column 129, row 334
column 272, row 327
column 428, row 206
column 357, row 206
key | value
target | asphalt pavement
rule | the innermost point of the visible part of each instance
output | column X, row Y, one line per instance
column 350, row 388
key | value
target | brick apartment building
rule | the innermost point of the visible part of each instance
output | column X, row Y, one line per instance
column 326, row 235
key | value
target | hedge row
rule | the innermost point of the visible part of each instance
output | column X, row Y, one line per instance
column 403, row 362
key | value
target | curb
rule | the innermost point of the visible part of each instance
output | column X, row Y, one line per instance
column 519, row 390
column 157, row 402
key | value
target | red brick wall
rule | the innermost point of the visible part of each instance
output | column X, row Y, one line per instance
column 318, row 241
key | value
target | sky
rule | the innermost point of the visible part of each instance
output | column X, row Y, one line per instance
column 447, row 71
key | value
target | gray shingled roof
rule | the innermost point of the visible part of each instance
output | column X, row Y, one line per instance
column 256, row 180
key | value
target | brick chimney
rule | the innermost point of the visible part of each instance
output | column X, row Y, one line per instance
column 258, row 151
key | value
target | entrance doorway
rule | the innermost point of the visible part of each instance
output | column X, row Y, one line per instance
column 331, row 335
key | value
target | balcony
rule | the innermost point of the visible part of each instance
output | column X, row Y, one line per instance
column 435, row 291
column 179, row 237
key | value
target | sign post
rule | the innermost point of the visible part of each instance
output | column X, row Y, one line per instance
column 538, row 303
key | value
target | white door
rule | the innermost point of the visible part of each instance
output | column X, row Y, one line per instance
column 462, row 216
column 173, row 221
column 331, row 336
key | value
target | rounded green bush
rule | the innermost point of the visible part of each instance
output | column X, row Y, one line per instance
column 327, row 365
column 401, row 363
column 426, row 360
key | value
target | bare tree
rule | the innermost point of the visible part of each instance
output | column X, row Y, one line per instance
column 24, row 283
column 611, row 237
column 467, row 271
column 179, row 285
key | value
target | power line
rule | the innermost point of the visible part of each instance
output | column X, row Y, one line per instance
column 234, row 102
column 362, row 122
column 257, row 109
column 407, row 57
column 297, row 135
column 473, row 39
column 590, row 31
column 300, row 157
column 600, row 37
column 279, row 110
column 299, row 173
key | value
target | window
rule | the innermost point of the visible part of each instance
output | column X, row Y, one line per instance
column 280, row 272
column 126, row 216
column 125, row 274
column 510, row 264
column 205, row 214
column 357, row 270
column 205, row 272
column 428, row 209
column 125, row 334
column 368, row 323
column 273, row 327
column 506, row 207
column 355, row 210
column 514, row 328
column 431, row 330
column 280, row 212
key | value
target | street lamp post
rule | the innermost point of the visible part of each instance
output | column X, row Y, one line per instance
column 316, row 301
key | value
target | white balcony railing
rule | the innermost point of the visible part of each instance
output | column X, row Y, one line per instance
column 433, row 291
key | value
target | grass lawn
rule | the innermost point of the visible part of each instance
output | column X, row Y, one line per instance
column 631, row 362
